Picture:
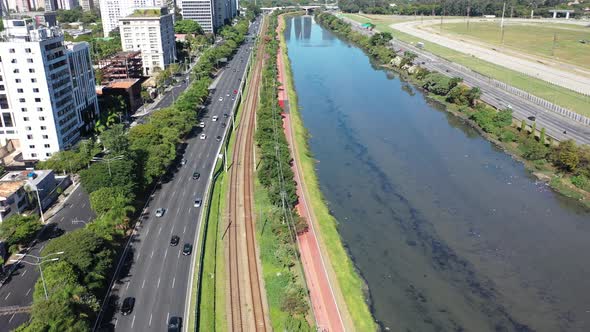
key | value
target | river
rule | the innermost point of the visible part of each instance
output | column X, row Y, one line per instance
column 449, row 232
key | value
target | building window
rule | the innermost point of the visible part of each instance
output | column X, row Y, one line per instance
column 22, row 100
column 37, row 100
column 43, row 128
column 45, row 136
column 2, row 88
column 33, row 80
column 47, row 146
column 31, row 146
column 20, row 90
column 33, row 155
column 24, row 109
column 28, row 50
column 11, row 50
column 29, row 129
column 39, row 109
column 42, row 118
column 31, row 70
column 36, row 90
column 48, row 154
column 26, row 118
column 17, row 80
column 29, row 60
column 16, row 71
column 13, row 61
column 29, row 136
column 7, row 117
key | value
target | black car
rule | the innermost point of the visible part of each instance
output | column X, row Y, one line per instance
column 225, row 115
column 174, row 240
column 532, row 118
column 223, row 124
column 218, row 138
column 175, row 324
column 196, row 175
column 127, row 306
column 187, row 249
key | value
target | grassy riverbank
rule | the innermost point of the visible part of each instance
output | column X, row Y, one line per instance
column 566, row 166
column 349, row 282
column 553, row 93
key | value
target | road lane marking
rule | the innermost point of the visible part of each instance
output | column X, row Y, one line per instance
column 184, row 230
column 62, row 219
column 28, row 292
column 152, row 256
column 116, row 321
column 150, row 322
column 148, row 231
column 160, row 231
column 84, row 205
column 138, row 255
column 133, row 321
column 7, row 296
column 24, row 272
column 174, row 193
column 158, row 283
column 165, row 253
column 42, row 248
column 11, row 317
column 143, row 283
column 178, row 253
column 167, row 317
column 173, row 282
column 177, row 211
column 129, row 283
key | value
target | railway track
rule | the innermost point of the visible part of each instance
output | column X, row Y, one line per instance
column 246, row 308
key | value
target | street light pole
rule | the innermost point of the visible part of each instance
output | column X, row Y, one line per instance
column 40, row 206
column 39, row 262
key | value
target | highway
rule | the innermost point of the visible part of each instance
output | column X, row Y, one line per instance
column 18, row 291
column 556, row 125
column 157, row 274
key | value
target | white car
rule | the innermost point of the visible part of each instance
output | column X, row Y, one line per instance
column 215, row 118
column 197, row 202
column 202, row 124
column 220, row 98
column 203, row 136
column 160, row 212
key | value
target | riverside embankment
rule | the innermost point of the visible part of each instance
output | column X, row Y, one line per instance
column 448, row 231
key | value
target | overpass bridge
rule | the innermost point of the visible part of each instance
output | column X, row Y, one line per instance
column 308, row 9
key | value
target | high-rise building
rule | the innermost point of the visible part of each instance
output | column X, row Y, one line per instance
column 51, row 5
column 210, row 14
column 86, row 4
column 83, row 83
column 201, row 11
column 38, row 102
column 151, row 31
column 112, row 10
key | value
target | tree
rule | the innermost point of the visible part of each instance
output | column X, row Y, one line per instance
column 19, row 229
column 110, row 173
column 566, row 155
column 188, row 27
column 542, row 136
column 533, row 150
column 473, row 95
column 108, row 198
column 115, row 140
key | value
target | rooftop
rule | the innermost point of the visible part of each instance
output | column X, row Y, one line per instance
column 34, row 176
column 8, row 188
column 123, row 84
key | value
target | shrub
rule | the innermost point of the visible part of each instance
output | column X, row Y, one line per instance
column 581, row 181
column 506, row 135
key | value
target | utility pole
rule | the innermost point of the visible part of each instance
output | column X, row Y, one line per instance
column 468, row 14
column 554, row 42
column 502, row 23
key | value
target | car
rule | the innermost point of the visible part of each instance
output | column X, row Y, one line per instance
column 57, row 232
column 198, row 202
column 174, row 240
column 127, row 306
column 175, row 324
column 223, row 124
column 183, row 162
column 232, row 98
column 196, row 175
column 202, row 124
column 160, row 212
column 225, row 115
column 218, row 138
column 203, row 136
column 220, row 98
column 228, row 93
column 187, row 249
column 532, row 118
column 214, row 118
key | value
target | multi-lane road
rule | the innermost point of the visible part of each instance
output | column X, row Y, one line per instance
column 18, row 291
column 155, row 273
column 556, row 125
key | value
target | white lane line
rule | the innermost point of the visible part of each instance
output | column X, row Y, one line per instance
column 11, row 317
column 116, row 321
column 165, row 253
column 160, row 231
column 25, row 272
column 148, row 231
column 143, row 283
column 174, row 193
column 184, row 230
column 133, row 321
column 158, row 283
column 173, row 282
column 28, row 292
column 150, row 323
column 7, row 296
column 84, row 205
column 62, row 219
column 184, row 192
column 128, row 283
column 42, row 248
column 138, row 255
column 167, row 317
column 152, row 256
column 178, row 253
column 177, row 211
column 188, row 209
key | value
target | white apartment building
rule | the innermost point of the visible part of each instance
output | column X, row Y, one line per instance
column 37, row 99
column 151, row 31
column 83, row 83
column 202, row 11
column 112, row 10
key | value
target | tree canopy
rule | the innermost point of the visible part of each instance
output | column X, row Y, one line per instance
column 188, row 27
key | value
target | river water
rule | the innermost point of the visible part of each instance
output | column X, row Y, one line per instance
column 450, row 233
